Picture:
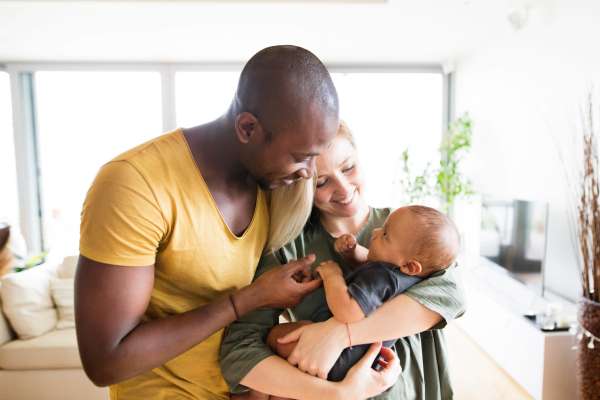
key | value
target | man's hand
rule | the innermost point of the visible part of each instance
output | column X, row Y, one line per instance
column 328, row 268
column 286, row 285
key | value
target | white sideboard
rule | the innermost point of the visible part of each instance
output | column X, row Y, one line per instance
column 542, row 362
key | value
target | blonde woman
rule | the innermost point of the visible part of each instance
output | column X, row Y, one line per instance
column 416, row 316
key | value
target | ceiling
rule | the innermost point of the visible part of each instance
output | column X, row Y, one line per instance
column 395, row 31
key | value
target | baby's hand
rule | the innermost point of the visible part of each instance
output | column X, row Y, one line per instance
column 328, row 268
column 345, row 243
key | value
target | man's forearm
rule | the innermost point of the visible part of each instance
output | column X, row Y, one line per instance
column 277, row 377
column 153, row 343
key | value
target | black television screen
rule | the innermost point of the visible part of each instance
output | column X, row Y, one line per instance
column 513, row 235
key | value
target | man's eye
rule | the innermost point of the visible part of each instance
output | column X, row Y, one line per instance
column 304, row 159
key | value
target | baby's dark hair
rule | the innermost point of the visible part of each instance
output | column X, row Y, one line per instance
column 438, row 241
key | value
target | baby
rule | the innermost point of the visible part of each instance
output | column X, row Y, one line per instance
column 414, row 242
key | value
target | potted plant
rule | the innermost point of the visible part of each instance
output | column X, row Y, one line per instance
column 449, row 185
column 447, row 182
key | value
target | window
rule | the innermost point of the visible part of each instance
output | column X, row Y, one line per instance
column 202, row 96
column 84, row 120
column 9, row 202
column 387, row 113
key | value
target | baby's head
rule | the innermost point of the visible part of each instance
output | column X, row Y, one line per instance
column 419, row 240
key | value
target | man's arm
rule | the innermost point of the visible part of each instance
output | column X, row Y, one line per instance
column 110, row 301
column 343, row 307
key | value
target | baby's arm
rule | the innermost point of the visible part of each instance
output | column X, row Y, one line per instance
column 343, row 307
column 352, row 252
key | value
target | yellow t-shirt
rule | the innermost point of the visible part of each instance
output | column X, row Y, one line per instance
column 149, row 206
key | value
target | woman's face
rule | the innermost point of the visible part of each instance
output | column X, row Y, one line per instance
column 339, row 181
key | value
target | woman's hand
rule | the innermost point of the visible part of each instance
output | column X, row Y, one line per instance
column 362, row 381
column 319, row 346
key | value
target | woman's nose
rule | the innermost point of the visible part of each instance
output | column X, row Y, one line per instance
column 344, row 186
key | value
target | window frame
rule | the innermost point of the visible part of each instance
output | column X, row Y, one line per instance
column 22, row 86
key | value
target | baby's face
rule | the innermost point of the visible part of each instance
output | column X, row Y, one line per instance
column 392, row 243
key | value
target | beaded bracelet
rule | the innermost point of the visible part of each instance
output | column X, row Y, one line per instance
column 235, row 311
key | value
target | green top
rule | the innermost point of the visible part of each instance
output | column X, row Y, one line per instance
column 422, row 357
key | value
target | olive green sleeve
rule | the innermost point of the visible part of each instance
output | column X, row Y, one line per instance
column 442, row 293
column 243, row 344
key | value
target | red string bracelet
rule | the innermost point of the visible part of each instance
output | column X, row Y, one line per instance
column 349, row 337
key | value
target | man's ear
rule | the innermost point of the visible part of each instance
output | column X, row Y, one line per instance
column 246, row 127
column 412, row 267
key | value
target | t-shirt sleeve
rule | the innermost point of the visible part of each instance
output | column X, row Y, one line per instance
column 442, row 293
column 373, row 285
column 121, row 222
column 244, row 342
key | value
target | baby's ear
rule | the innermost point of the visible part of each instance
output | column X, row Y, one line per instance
column 412, row 267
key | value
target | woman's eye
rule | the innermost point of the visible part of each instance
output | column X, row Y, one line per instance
column 321, row 183
column 348, row 169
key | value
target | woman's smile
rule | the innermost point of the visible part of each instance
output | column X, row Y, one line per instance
column 348, row 200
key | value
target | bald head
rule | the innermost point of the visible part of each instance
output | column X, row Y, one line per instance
column 284, row 85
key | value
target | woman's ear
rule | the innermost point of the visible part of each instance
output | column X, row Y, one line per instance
column 412, row 267
column 245, row 127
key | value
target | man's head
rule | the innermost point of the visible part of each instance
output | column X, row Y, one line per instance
column 419, row 240
column 285, row 112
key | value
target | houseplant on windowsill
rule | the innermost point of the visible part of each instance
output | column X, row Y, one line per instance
column 588, row 238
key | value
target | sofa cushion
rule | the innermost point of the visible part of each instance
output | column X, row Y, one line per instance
column 68, row 267
column 63, row 294
column 6, row 333
column 27, row 303
column 54, row 350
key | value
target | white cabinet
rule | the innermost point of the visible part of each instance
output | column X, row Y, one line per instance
column 542, row 362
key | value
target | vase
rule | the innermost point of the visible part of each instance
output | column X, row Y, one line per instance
column 588, row 360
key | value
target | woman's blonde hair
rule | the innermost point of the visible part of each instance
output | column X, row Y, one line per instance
column 345, row 132
column 289, row 209
column 290, row 206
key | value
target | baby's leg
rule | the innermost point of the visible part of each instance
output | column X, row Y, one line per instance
column 278, row 331
column 282, row 350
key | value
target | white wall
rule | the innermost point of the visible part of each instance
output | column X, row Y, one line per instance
column 523, row 90
column 342, row 31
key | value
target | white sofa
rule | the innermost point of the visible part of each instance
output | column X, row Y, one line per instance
column 46, row 366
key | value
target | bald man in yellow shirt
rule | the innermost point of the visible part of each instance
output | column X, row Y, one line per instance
column 172, row 231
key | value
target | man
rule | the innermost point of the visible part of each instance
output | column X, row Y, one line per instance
column 172, row 232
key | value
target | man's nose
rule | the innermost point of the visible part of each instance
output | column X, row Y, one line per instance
column 304, row 173
column 309, row 171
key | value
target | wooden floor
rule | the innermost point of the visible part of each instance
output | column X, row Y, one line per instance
column 475, row 376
